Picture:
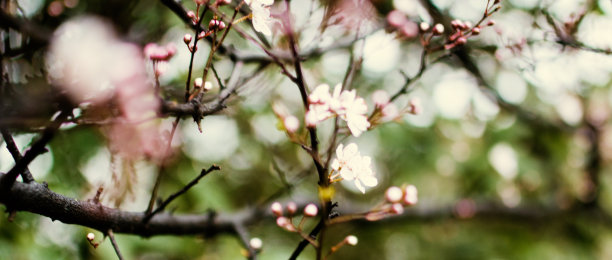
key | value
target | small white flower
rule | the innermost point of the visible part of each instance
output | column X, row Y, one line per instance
column 354, row 167
column 345, row 104
column 261, row 15
column 354, row 112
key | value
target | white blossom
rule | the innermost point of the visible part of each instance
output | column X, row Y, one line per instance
column 345, row 104
column 353, row 167
column 261, row 15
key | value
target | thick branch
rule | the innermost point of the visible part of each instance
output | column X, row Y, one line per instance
column 38, row 199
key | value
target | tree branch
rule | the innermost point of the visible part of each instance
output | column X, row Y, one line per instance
column 180, row 192
column 37, row 198
column 14, row 150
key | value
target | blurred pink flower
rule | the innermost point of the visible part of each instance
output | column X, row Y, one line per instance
column 88, row 61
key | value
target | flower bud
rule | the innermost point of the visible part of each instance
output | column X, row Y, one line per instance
column 397, row 208
column 461, row 41
column 197, row 83
column 282, row 221
column 291, row 124
column 277, row 209
column 291, row 208
column 223, row 2
column 191, row 15
column 396, row 19
column 467, row 25
column 476, row 31
column 255, row 243
column 91, row 236
column 207, row 86
column 187, row 38
column 410, row 195
column 380, row 98
column 351, row 240
column 221, row 25
column 311, row 210
column 212, row 24
column 438, row 29
column 394, row 194
column 491, row 23
column 409, row 29
column 424, row 26
column 415, row 106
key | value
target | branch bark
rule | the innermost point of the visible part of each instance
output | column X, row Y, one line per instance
column 37, row 198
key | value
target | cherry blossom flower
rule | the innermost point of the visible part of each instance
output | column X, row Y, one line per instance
column 353, row 110
column 261, row 15
column 353, row 167
column 345, row 104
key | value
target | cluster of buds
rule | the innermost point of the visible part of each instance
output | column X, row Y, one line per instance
column 405, row 28
column 215, row 24
column 286, row 222
column 462, row 30
column 396, row 199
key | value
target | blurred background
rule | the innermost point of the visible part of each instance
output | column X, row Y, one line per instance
column 510, row 154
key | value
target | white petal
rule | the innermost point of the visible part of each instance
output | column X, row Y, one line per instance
column 339, row 151
column 266, row 2
column 347, row 174
column 351, row 150
column 359, row 186
column 369, row 181
column 337, row 90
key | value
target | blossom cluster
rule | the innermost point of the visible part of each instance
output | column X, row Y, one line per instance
column 396, row 199
column 285, row 222
column 352, row 166
column 342, row 103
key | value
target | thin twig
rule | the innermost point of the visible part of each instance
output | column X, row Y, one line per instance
column 111, row 235
column 14, row 150
column 243, row 235
column 302, row 245
column 35, row 150
column 192, row 183
column 162, row 168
